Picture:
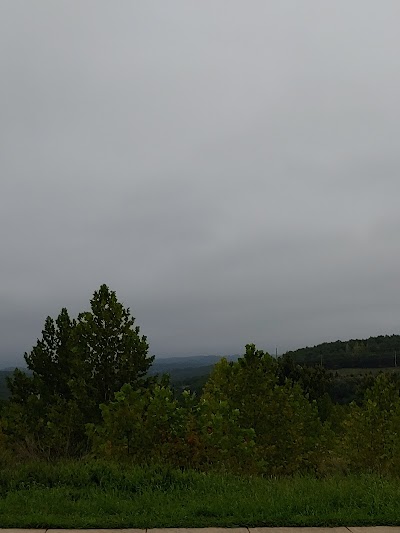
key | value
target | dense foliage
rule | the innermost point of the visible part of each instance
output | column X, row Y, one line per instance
column 375, row 352
column 89, row 393
column 75, row 367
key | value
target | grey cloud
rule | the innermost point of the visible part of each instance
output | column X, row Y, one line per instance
column 230, row 170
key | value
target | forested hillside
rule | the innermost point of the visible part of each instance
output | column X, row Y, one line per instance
column 375, row 352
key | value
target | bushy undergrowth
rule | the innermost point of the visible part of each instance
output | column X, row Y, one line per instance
column 87, row 474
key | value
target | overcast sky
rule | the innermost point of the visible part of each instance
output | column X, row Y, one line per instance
column 229, row 168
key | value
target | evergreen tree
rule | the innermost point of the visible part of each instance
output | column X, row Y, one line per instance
column 109, row 347
column 287, row 432
column 76, row 366
column 50, row 363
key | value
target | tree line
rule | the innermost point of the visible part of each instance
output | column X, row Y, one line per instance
column 375, row 352
column 89, row 394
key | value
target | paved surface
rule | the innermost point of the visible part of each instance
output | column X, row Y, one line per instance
column 375, row 529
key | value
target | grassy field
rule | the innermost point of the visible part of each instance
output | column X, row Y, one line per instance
column 98, row 494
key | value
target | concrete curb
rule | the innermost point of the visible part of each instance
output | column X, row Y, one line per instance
column 371, row 529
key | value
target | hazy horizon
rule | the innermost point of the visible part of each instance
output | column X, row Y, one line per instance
column 275, row 352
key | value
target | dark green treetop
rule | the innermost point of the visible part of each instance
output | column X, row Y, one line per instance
column 74, row 367
column 51, row 362
column 109, row 346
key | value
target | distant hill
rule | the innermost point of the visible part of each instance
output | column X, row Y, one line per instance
column 376, row 352
column 179, row 364
column 187, row 372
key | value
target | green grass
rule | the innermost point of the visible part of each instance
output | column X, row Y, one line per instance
column 98, row 494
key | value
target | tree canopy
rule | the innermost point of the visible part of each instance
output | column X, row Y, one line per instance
column 78, row 364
